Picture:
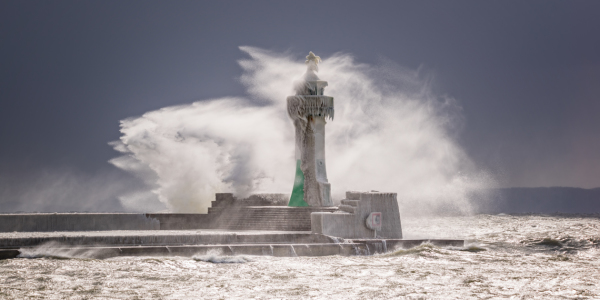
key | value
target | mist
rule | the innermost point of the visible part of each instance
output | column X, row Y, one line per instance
column 391, row 133
column 67, row 190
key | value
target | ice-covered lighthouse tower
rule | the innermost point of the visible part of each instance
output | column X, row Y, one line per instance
column 309, row 109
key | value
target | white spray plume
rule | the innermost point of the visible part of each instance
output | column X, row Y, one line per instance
column 390, row 133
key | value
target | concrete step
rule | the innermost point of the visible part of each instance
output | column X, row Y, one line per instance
column 262, row 222
column 257, row 227
column 264, row 226
column 258, row 215
column 259, row 220
column 246, row 218
column 241, row 218
column 261, row 214
column 264, row 217
column 211, row 251
column 279, row 209
column 346, row 208
column 355, row 247
column 350, row 202
column 162, row 237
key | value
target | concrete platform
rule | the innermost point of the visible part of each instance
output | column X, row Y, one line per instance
column 104, row 244
column 159, row 237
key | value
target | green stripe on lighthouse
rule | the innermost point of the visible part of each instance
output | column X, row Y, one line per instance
column 297, row 198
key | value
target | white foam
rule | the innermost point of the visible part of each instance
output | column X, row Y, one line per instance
column 57, row 250
column 222, row 259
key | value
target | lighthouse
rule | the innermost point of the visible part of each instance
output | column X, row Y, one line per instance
column 309, row 109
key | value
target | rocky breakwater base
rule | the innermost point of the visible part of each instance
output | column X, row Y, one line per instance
column 366, row 223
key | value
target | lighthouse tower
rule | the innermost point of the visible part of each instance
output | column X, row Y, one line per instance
column 309, row 109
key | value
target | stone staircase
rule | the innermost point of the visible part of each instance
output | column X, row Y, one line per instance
column 260, row 212
column 281, row 218
column 257, row 212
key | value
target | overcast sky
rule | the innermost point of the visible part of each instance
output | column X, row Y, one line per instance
column 526, row 73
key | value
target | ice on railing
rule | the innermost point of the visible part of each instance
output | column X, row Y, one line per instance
column 302, row 106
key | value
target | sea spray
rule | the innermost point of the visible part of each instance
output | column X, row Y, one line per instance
column 391, row 133
column 222, row 259
column 60, row 251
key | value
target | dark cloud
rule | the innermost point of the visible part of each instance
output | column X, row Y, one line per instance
column 525, row 73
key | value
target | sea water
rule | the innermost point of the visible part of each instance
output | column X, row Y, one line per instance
column 505, row 257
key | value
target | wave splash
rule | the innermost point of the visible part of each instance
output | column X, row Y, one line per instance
column 391, row 133
column 215, row 259
column 59, row 251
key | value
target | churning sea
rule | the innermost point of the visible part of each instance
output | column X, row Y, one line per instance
column 505, row 257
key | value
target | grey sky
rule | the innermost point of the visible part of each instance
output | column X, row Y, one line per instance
column 526, row 73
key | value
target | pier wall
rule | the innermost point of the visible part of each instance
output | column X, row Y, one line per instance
column 350, row 222
column 47, row 222
column 76, row 222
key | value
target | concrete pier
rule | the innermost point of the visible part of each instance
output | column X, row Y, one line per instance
column 190, row 243
column 257, row 212
column 162, row 237
column 76, row 221
column 251, row 226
